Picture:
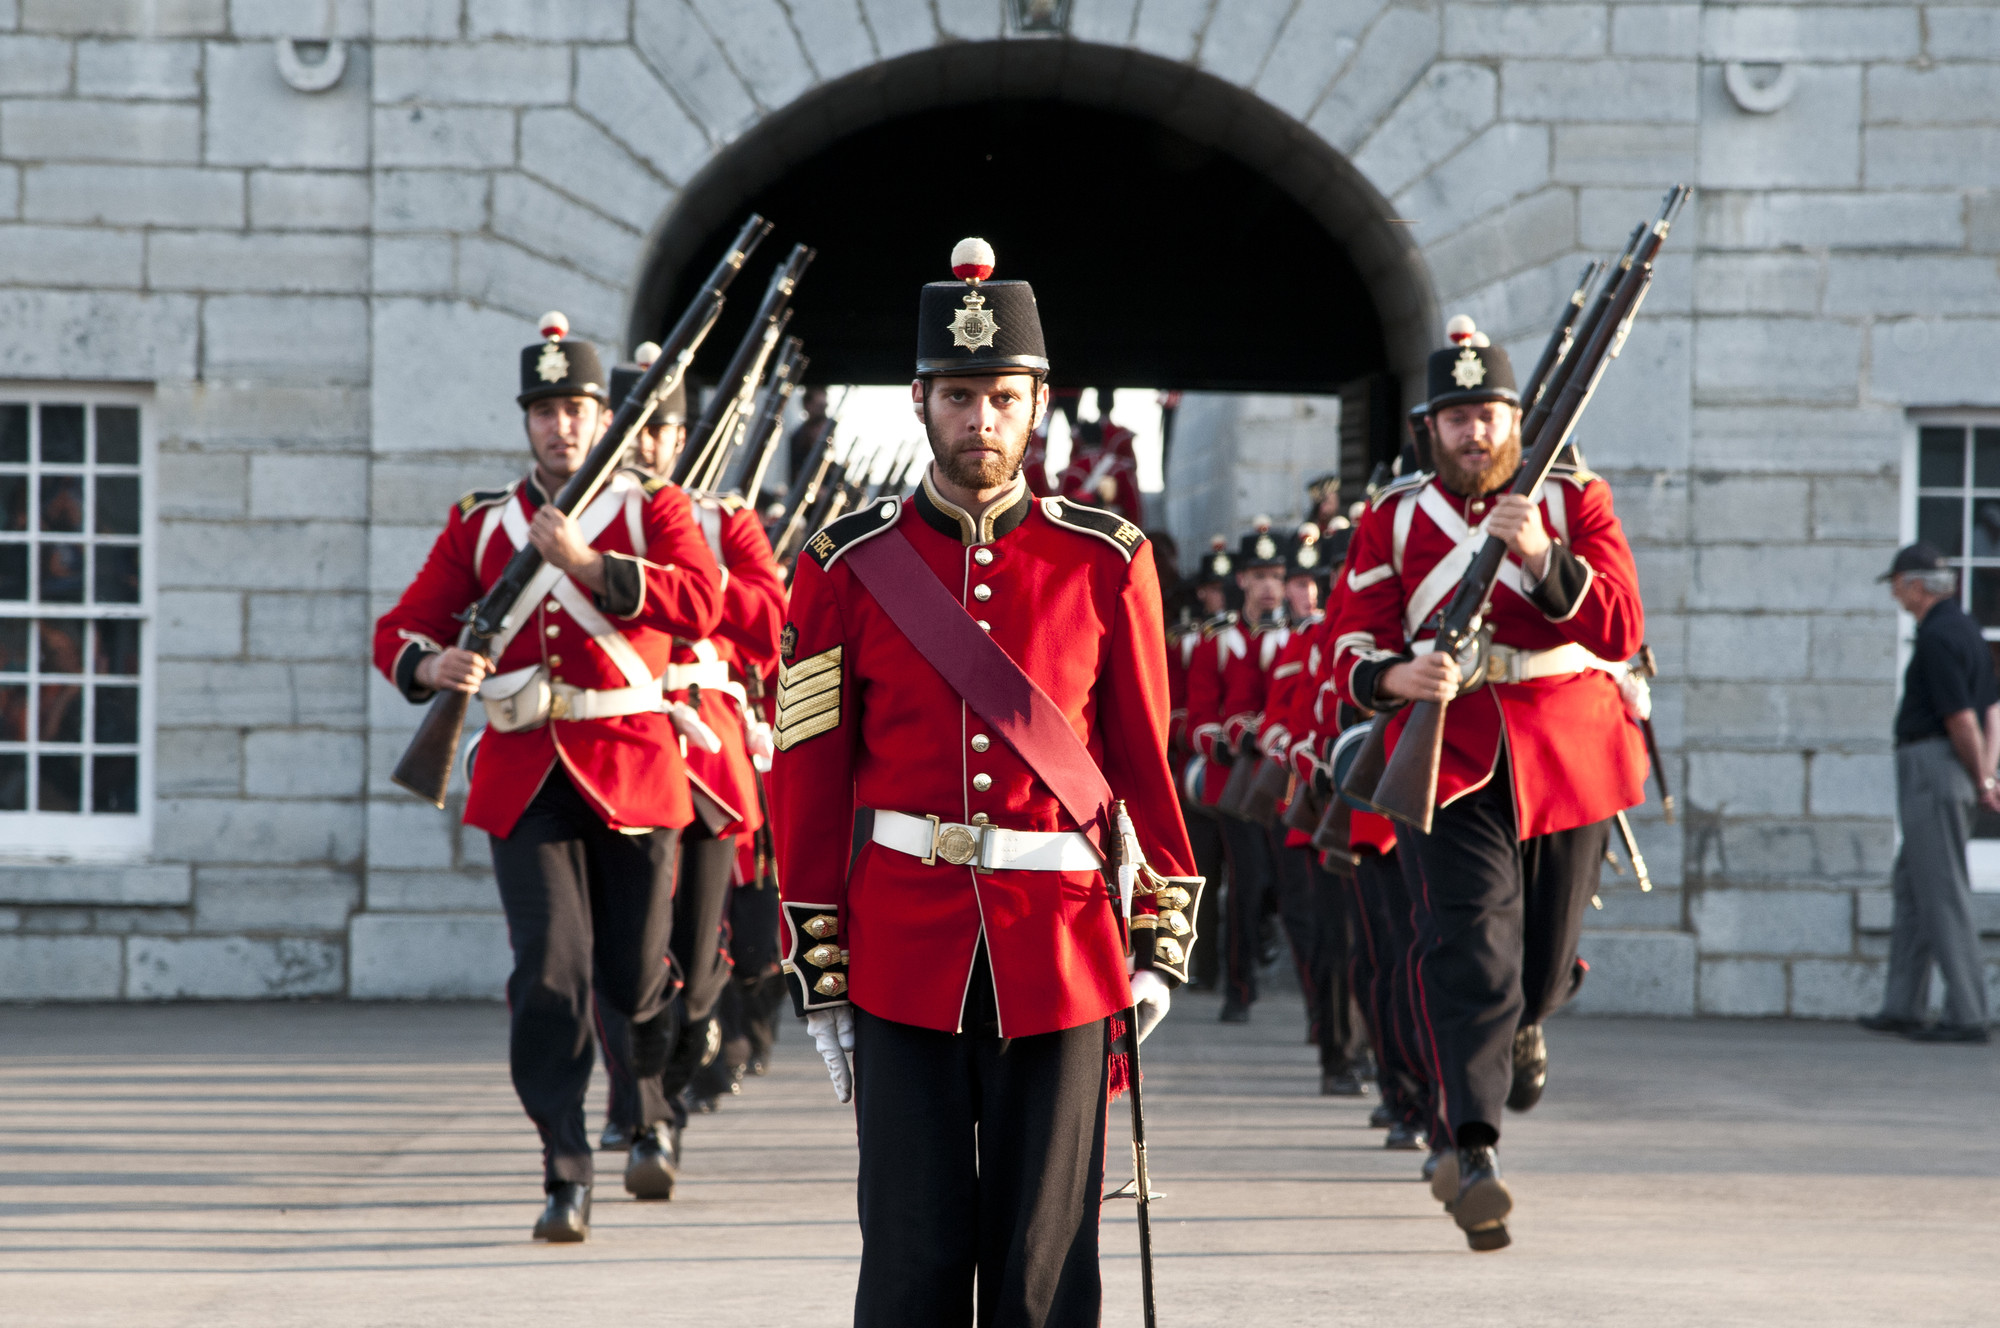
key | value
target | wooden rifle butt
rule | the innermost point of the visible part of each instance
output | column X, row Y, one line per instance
column 1407, row 790
column 1235, row 799
column 1366, row 771
column 1336, row 823
column 425, row 769
column 1307, row 807
column 1269, row 787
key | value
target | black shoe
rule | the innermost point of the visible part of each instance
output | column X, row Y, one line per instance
column 1531, row 1068
column 1382, row 1117
column 1483, row 1200
column 1441, row 1170
column 615, row 1139
column 565, row 1218
column 1404, row 1137
column 1882, row 1023
column 1951, row 1033
column 1234, row 1012
column 653, row 1164
column 1342, row 1083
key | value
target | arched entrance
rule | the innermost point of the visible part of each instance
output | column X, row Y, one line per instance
column 1181, row 232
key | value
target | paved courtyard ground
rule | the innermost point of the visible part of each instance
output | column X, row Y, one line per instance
column 335, row 1165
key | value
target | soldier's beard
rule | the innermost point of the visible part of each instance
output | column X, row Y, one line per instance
column 1503, row 460
column 977, row 469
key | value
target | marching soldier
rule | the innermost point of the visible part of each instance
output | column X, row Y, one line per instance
column 707, row 678
column 1536, row 760
column 579, row 781
column 970, row 955
column 1226, row 734
column 1102, row 470
column 1201, row 781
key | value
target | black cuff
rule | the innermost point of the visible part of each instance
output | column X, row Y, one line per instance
column 1367, row 673
column 815, row 966
column 624, row 586
column 1164, row 941
column 1561, row 592
column 406, row 674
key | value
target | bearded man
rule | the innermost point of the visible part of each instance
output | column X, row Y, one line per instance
column 985, row 673
column 1538, row 753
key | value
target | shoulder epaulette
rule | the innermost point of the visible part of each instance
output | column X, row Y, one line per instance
column 652, row 484
column 479, row 498
column 728, row 502
column 1218, row 624
column 1401, row 485
column 836, row 539
column 1110, row 527
column 1580, row 476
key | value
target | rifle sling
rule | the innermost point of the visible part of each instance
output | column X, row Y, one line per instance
column 984, row 676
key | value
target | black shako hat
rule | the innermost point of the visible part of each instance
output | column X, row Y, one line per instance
column 1216, row 564
column 624, row 377
column 976, row 326
column 558, row 368
column 1260, row 548
column 1922, row 556
column 1471, row 369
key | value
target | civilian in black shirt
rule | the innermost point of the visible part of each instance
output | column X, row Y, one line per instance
column 1947, row 741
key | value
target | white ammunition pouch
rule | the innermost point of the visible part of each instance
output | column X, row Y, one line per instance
column 526, row 699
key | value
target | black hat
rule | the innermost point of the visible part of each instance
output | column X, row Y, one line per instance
column 1471, row 369
column 1216, row 564
column 1260, row 548
column 976, row 326
column 558, row 368
column 1303, row 554
column 1321, row 487
column 624, row 377
column 1923, row 556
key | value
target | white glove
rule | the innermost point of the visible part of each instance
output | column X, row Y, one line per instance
column 833, row 1033
column 691, row 725
column 1150, row 998
column 762, row 746
column 1638, row 696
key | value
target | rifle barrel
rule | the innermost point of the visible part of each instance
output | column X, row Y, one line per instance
column 729, row 387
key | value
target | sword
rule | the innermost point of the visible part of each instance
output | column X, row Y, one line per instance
column 1142, row 1188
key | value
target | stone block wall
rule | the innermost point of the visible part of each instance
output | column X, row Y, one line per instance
column 324, row 291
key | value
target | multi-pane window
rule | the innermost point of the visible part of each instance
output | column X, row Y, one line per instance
column 74, row 695
column 1958, row 508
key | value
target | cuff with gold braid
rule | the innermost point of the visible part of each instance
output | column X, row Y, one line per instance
column 815, row 965
column 1164, row 940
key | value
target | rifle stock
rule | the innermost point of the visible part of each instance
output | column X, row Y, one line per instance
column 1408, row 787
column 425, row 769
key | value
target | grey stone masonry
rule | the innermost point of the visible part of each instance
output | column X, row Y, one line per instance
column 322, row 288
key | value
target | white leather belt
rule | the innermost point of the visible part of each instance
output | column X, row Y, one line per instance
column 527, row 698
column 707, row 675
column 987, row 847
column 1507, row 664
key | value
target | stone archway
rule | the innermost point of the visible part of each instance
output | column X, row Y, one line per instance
column 1313, row 283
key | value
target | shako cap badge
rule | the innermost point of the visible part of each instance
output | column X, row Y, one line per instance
column 972, row 262
column 553, row 366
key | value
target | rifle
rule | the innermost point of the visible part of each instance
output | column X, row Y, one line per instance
column 739, row 377
column 425, row 768
column 1405, row 786
column 1564, row 335
column 729, row 437
column 745, row 476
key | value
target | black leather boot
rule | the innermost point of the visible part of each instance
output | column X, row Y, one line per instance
column 1484, row 1201
column 1531, row 1068
column 653, row 1164
column 565, row 1218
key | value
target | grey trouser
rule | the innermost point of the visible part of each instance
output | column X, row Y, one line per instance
column 1933, row 918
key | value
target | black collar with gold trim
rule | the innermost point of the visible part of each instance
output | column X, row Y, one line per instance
column 954, row 522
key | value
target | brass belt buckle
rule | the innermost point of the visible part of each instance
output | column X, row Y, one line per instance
column 956, row 845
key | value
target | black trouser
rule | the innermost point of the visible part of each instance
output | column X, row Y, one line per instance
column 1253, row 871
column 700, row 895
column 982, row 1167
column 1340, row 1026
column 1497, row 924
column 1205, row 837
column 580, row 898
column 1382, row 981
column 754, row 955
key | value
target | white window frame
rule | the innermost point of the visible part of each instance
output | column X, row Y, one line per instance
column 86, row 836
column 1982, row 855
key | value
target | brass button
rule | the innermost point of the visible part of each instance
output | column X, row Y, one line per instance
column 981, row 783
column 981, row 742
column 984, row 557
column 982, row 593
column 979, row 818
column 555, row 661
column 553, row 606
column 985, row 626
column 555, row 629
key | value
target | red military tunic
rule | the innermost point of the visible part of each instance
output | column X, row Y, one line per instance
column 1286, row 721
column 629, row 768
column 1204, row 700
column 1248, row 661
column 1086, row 477
column 1575, row 758
column 1072, row 597
column 746, row 641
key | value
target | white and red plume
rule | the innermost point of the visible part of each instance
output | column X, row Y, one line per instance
column 1461, row 332
column 972, row 259
column 645, row 353
column 554, row 326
